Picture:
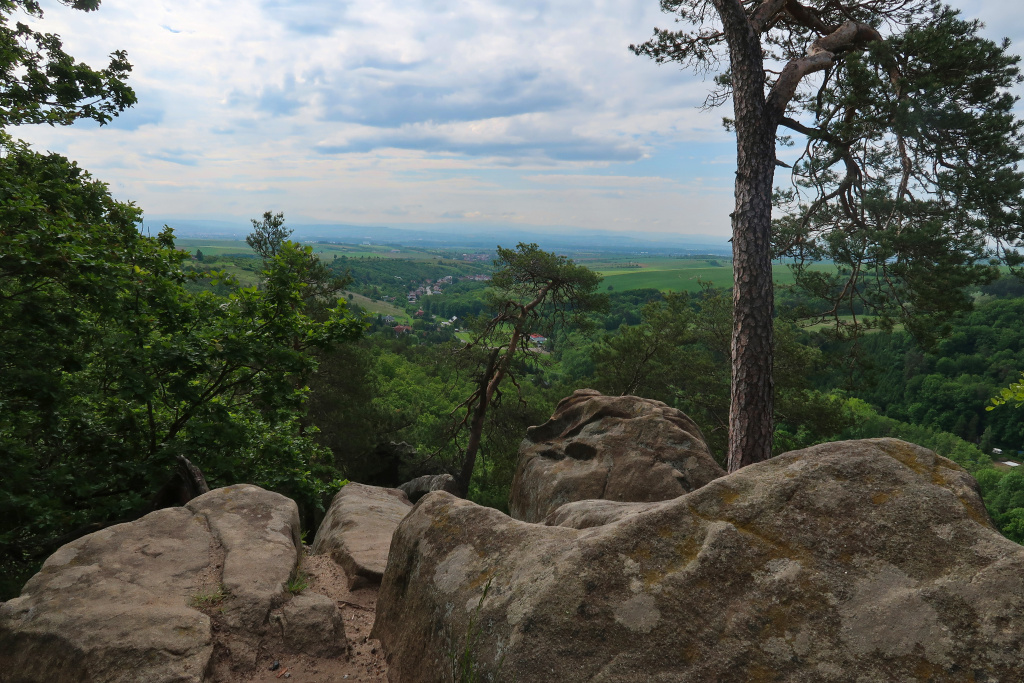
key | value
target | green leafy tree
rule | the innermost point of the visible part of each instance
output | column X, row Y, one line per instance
column 40, row 83
column 113, row 367
column 533, row 291
column 679, row 354
column 910, row 161
column 268, row 234
column 1012, row 394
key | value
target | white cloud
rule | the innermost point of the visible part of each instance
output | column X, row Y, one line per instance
column 364, row 110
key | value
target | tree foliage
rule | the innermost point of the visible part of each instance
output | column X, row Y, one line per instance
column 1012, row 394
column 908, row 178
column 268, row 235
column 946, row 386
column 532, row 292
column 112, row 366
column 908, row 181
column 679, row 354
column 40, row 83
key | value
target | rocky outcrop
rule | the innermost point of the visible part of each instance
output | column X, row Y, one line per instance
column 421, row 486
column 853, row 561
column 357, row 530
column 153, row 600
column 621, row 448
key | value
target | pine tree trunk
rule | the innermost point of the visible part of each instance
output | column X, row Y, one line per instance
column 750, row 412
column 476, row 430
column 476, row 424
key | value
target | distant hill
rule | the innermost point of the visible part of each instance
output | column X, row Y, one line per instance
column 460, row 235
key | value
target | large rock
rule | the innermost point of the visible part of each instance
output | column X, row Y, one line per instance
column 141, row 601
column 421, row 486
column 621, row 448
column 856, row 561
column 357, row 530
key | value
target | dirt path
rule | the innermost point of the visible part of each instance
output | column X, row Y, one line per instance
column 365, row 663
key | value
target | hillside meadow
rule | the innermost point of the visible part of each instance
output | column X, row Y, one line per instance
column 677, row 275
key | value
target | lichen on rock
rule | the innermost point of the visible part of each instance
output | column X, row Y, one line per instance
column 849, row 561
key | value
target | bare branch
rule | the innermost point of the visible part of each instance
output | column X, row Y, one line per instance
column 821, row 55
column 763, row 15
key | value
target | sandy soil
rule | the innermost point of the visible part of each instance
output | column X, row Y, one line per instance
column 365, row 662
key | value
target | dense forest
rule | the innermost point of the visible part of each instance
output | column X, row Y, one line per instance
column 127, row 361
column 119, row 343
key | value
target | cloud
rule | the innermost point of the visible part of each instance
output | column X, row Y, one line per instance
column 308, row 17
column 175, row 156
column 388, row 102
column 418, row 108
column 567, row 150
column 520, row 139
column 604, row 181
column 276, row 100
column 149, row 111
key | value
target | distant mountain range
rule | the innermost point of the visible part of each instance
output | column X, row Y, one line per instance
column 457, row 235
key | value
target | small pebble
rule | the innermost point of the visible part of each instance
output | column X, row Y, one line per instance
column 275, row 666
column 287, row 674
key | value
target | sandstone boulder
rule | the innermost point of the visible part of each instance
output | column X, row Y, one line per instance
column 151, row 600
column 357, row 530
column 621, row 448
column 420, row 486
column 847, row 562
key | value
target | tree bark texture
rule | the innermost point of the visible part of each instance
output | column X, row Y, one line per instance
column 750, row 412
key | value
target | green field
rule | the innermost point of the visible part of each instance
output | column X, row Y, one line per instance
column 211, row 247
column 621, row 273
column 382, row 307
column 677, row 275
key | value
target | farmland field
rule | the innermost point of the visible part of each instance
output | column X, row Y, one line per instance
column 677, row 275
column 382, row 307
column 211, row 247
column 621, row 273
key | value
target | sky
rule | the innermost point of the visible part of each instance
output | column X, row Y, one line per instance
column 410, row 113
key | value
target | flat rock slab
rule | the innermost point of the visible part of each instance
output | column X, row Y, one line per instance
column 357, row 530
column 855, row 561
column 133, row 602
column 619, row 448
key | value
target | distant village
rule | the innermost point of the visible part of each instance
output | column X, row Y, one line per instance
column 430, row 287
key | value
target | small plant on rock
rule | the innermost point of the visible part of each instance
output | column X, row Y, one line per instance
column 208, row 600
column 465, row 668
column 298, row 583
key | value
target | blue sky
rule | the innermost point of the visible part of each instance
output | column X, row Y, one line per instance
column 384, row 112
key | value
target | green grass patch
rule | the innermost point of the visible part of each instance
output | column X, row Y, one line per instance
column 297, row 583
column 207, row 600
column 211, row 247
column 381, row 307
column 674, row 275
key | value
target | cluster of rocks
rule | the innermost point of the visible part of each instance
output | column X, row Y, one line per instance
column 629, row 555
column 200, row 592
column 150, row 600
column 851, row 561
